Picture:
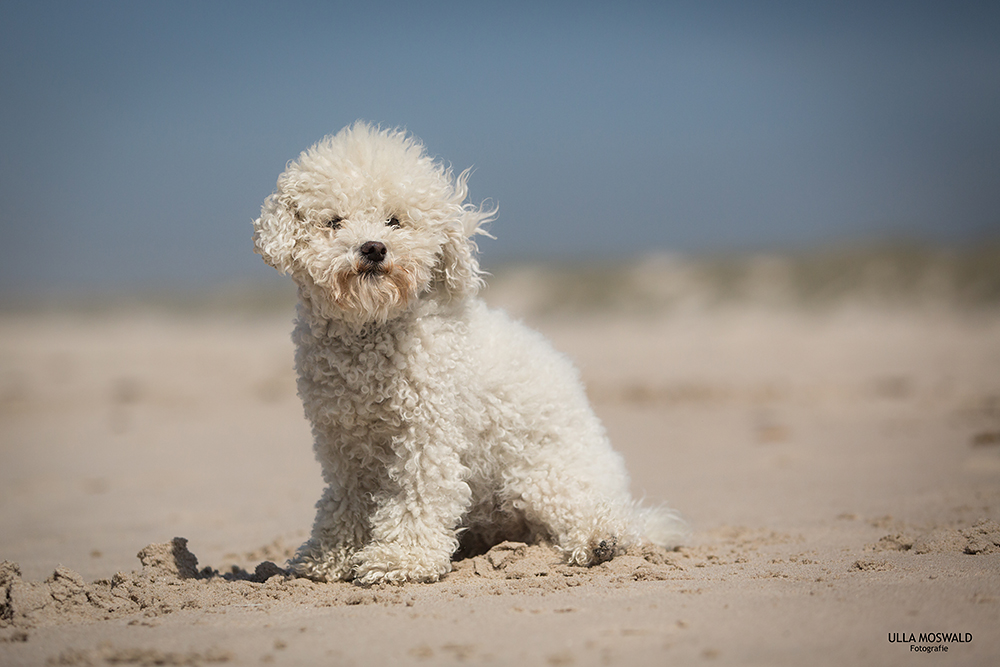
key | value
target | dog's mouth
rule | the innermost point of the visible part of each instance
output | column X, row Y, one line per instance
column 372, row 270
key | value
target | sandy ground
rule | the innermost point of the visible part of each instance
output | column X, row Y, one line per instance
column 840, row 467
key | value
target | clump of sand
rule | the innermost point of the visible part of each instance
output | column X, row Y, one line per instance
column 983, row 537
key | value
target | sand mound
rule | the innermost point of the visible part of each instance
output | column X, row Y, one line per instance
column 170, row 580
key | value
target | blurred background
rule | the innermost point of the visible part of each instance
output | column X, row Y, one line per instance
column 138, row 140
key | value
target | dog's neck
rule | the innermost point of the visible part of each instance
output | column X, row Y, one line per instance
column 326, row 322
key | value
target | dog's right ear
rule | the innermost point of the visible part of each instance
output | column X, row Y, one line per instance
column 274, row 233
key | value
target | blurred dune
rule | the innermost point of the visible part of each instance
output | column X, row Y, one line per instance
column 898, row 275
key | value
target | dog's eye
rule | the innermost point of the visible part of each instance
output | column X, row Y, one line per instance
column 334, row 222
column 393, row 221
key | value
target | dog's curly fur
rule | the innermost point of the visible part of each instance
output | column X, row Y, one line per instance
column 435, row 419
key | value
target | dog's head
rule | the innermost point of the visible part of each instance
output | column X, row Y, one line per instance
column 367, row 223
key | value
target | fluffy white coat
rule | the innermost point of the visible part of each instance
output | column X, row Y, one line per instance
column 436, row 420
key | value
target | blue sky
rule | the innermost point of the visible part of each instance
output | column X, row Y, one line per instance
column 138, row 139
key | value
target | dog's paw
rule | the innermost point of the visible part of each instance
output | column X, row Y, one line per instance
column 390, row 563
column 313, row 562
column 605, row 550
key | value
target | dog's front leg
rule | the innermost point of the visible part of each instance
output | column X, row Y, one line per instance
column 339, row 531
column 413, row 526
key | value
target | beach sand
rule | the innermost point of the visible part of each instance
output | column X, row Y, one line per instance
column 838, row 460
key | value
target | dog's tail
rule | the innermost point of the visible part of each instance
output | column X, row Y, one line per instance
column 663, row 527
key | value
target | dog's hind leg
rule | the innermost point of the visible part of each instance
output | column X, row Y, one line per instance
column 587, row 520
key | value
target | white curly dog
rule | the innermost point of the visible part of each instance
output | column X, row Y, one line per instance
column 438, row 422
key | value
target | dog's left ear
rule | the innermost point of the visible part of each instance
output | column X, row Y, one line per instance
column 458, row 274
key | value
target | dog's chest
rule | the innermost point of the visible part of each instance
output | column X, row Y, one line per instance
column 358, row 377
column 394, row 375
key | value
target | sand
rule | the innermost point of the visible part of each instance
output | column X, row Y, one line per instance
column 840, row 467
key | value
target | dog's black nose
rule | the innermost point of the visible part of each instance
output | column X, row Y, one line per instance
column 373, row 251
